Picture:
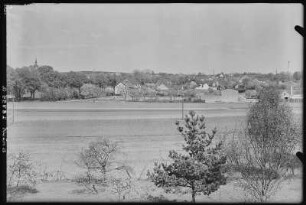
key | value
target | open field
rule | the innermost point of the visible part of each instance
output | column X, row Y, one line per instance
column 54, row 133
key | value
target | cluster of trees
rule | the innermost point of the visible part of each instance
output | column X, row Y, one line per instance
column 54, row 85
column 23, row 174
column 21, row 79
column 280, row 76
column 175, row 82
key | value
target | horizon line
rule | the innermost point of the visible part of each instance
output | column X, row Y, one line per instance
column 156, row 72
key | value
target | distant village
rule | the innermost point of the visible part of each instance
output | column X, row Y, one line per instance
column 43, row 83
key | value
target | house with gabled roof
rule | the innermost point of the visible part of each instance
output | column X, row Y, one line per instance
column 123, row 87
column 120, row 88
column 162, row 87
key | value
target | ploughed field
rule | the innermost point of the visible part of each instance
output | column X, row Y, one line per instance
column 55, row 132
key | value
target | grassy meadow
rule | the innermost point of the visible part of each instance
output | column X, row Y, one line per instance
column 55, row 132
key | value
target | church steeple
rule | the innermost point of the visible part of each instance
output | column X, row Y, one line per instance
column 35, row 63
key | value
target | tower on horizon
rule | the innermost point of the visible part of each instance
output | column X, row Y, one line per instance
column 35, row 63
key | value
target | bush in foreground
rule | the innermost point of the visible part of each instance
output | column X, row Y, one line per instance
column 21, row 170
column 98, row 162
column 14, row 193
column 21, row 175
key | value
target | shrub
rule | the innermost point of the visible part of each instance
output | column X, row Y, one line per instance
column 109, row 91
column 157, row 199
column 98, row 160
column 121, row 187
column 15, row 192
column 90, row 91
column 21, row 170
column 21, row 176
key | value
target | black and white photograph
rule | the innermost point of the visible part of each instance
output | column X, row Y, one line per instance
column 159, row 102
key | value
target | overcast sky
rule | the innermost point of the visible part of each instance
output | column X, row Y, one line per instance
column 174, row 38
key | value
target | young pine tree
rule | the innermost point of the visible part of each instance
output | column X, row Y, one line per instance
column 200, row 168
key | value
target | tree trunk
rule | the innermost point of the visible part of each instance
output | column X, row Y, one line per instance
column 18, row 92
column 94, row 188
column 193, row 196
column 19, row 176
column 193, row 192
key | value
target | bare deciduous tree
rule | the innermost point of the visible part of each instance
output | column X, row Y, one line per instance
column 21, row 170
column 262, row 151
column 21, row 176
column 98, row 160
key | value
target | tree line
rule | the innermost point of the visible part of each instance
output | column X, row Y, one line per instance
column 54, row 85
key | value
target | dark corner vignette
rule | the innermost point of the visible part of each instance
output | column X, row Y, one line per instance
column 3, row 104
column 299, row 29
